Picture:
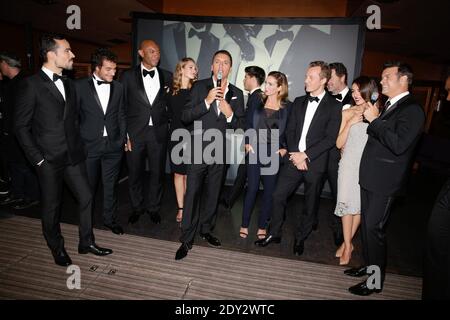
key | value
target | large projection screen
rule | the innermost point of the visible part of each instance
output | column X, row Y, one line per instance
column 281, row 44
column 275, row 44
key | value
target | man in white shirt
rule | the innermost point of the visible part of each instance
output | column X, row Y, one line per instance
column 311, row 132
column 47, row 127
column 384, row 168
column 103, row 130
column 337, row 86
column 146, row 89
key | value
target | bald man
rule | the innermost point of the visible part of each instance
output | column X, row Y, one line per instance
column 145, row 92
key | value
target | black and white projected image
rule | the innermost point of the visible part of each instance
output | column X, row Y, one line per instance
column 285, row 47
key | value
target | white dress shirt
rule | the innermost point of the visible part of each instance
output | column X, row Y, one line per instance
column 309, row 115
column 58, row 83
column 103, row 92
column 217, row 102
column 395, row 99
column 151, row 86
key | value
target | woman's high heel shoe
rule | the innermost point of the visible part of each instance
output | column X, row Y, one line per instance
column 345, row 258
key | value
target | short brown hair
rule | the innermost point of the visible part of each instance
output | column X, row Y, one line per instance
column 325, row 71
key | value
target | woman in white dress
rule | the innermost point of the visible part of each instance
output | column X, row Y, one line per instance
column 351, row 141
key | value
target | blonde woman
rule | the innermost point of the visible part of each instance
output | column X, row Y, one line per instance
column 184, row 76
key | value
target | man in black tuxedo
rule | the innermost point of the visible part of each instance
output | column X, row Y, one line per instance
column 186, row 39
column 254, row 78
column 47, row 127
column 146, row 88
column 24, row 191
column 215, row 107
column 385, row 166
column 103, row 130
column 311, row 132
column 337, row 86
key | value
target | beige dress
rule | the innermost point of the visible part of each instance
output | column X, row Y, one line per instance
column 349, row 193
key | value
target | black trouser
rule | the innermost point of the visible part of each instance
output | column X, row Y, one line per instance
column 332, row 177
column 289, row 180
column 51, row 179
column 24, row 182
column 155, row 153
column 105, row 162
column 202, row 180
column 238, row 185
column 375, row 212
column 436, row 275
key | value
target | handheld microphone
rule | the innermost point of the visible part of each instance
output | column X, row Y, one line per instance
column 219, row 78
column 374, row 97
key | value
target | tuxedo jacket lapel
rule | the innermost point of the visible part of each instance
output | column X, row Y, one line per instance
column 95, row 94
column 318, row 111
column 111, row 96
column 301, row 118
column 140, row 84
column 161, row 86
column 393, row 107
column 51, row 86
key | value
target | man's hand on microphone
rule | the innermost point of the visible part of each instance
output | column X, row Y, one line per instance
column 371, row 112
column 213, row 94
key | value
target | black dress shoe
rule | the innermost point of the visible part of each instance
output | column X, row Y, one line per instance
column 62, row 258
column 182, row 251
column 213, row 241
column 115, row 228
column 299, row 247
column 134, row 217
column 265, row 241
column 94, row 249
column 154, row 216
column 338, row 238
column 361, row 289
column 356, row 272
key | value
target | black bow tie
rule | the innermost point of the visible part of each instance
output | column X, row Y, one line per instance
column 337, row 96
column 199, row 34
column 57, row 77
column 99, row 82
column 280, row 35
column 311, row 99
column 146, row 72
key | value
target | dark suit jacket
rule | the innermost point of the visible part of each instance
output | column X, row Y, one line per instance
column 93, row 119
column 138, row 107
column 15, row 152
column 348, row 98
column 335, row 154
column 322, row 132
column 390, row 147
column 195, row 109
column 47, row 127
column 253, row 117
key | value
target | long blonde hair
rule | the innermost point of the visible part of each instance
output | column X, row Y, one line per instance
column 178, row 75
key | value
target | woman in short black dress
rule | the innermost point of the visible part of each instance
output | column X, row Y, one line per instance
column 184, row 76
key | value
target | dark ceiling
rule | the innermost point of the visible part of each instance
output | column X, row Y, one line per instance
column 410, row 27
